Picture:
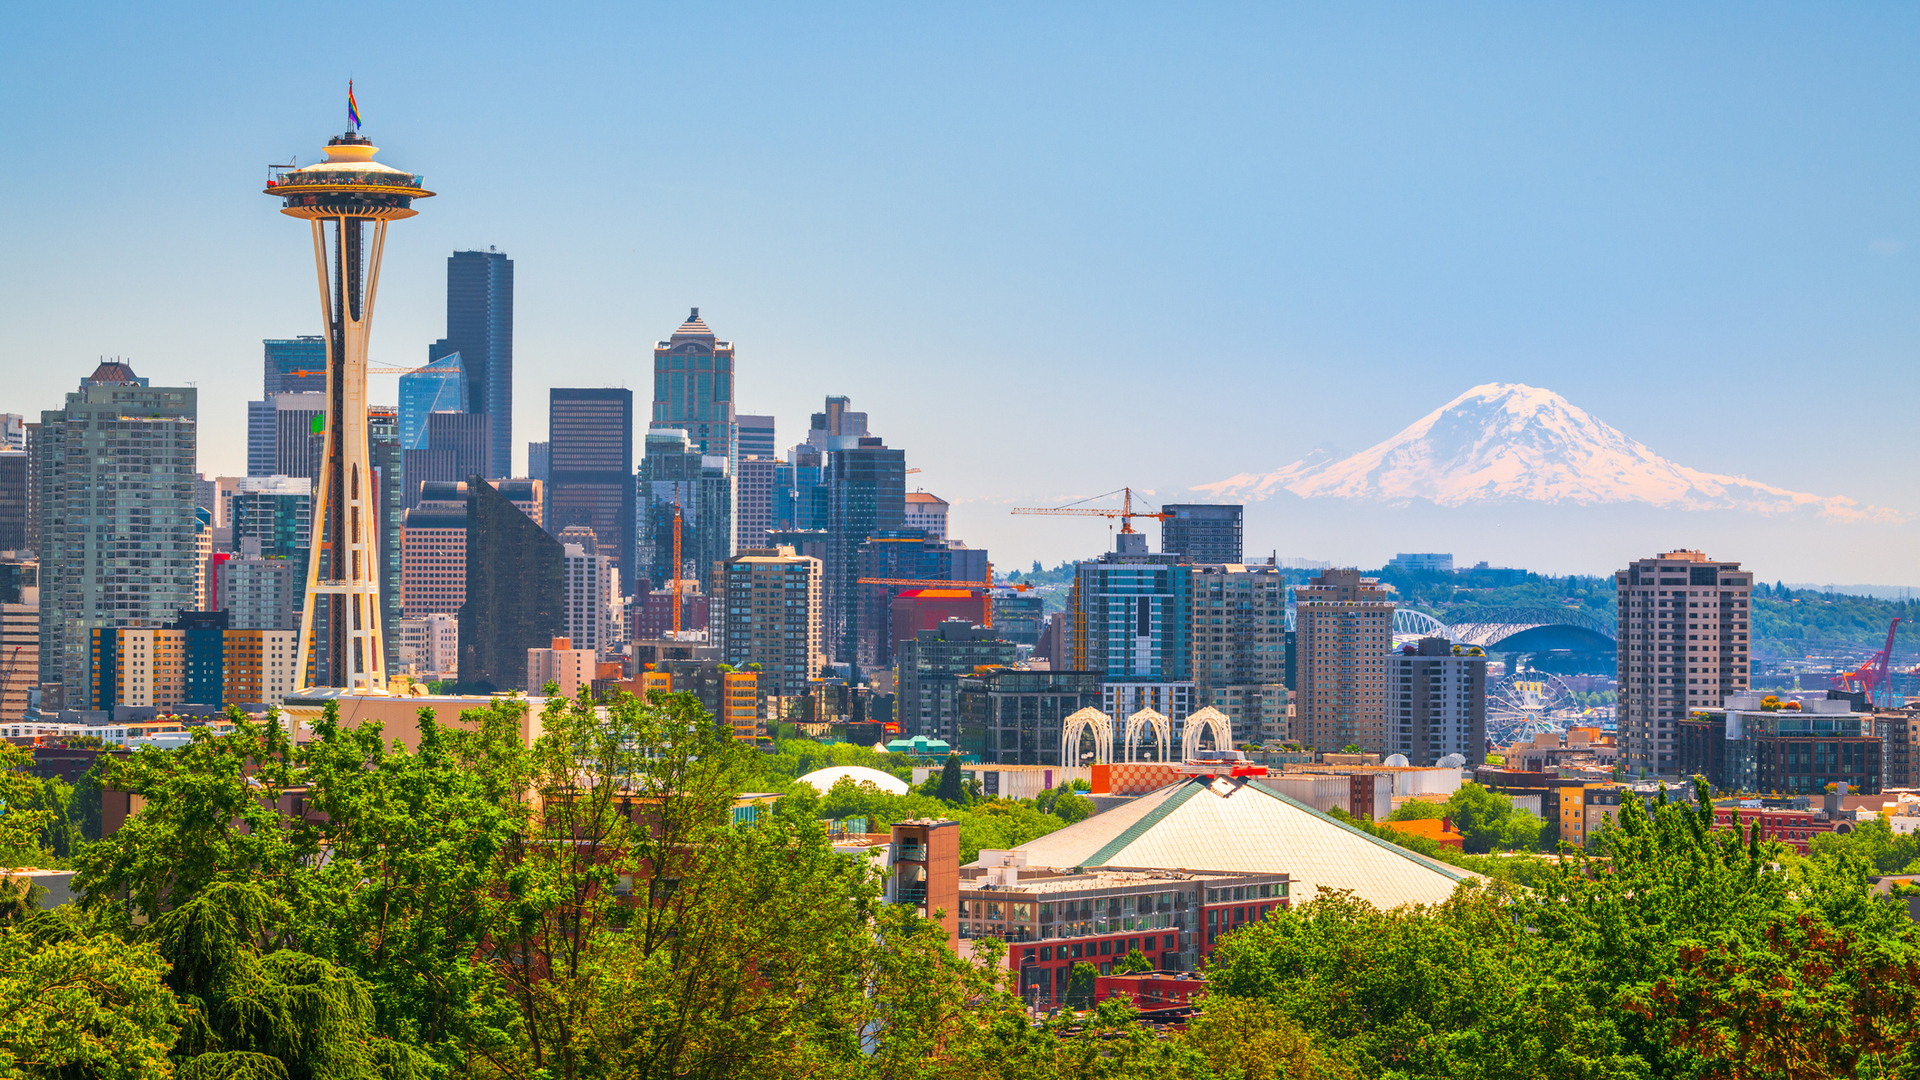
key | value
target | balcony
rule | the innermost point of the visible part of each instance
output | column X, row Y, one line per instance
column 911, row 894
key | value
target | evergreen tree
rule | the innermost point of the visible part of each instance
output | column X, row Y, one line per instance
column 953, row 790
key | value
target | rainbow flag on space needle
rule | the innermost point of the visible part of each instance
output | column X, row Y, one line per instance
column 353, row 110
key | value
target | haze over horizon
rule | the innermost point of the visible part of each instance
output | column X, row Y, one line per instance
column 1052, row 252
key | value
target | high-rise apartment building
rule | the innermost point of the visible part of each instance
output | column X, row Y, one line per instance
column 753, row 500
column 261, row 592
column 480, row 329
column 866, row 495
column 196, row 660
column 693, row 388
column 118, row 543
column 516, row 590
column 590, row 471
column 15, row 467
column 20, row 644
column 773, row 604
column 1131, row 613
column 433, row 561
column 296, row 365
column 439, row 387
column 298, row 419
column 1344, row 631
column 1682, row 645
column 276, row 512
column 675, row 474
column 1203, row 532
column 927, row 690
column 1239, row 621
column 1437, row 702
column 926, row 512
column 593, row 612
column 430, row 645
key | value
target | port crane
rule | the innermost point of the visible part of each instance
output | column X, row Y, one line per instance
column 1873, row 674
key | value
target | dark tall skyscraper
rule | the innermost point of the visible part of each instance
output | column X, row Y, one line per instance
column 693, row 388
column 388, row 463
column 867, row 494
column 480, row 329
column 590, row 469
column 1203, row 532
column 14, row 470
column 516, row 591
column 456, row 445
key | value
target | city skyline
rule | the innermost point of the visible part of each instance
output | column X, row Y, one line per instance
column 1737, row 213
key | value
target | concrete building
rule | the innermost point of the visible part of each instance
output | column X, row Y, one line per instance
column 1013, row 716
column 1130, row 618
column 480, row 329
column 926, row 512
column 1746, row 747
column 1239, row 622
column 694, row 391
column 753, row 500
column 118, row 542
column 13, row 432
column 1437, row 702
column 19, row 655
column 571, row 669
column 430, row 646
column 732, row 698
column 773, row 618
column 1683, row 645
column 675, row 474
column 1344, row 629
column 433, row 561
column 593, row 607
column 516, row 591
column 1203, row 532
column 191, row 661
column 259, row 592
column 590, row 468
column 927, row 680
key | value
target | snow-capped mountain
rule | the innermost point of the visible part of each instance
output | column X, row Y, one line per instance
column 1507, row 441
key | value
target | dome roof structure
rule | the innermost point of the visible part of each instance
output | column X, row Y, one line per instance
column 822, row 780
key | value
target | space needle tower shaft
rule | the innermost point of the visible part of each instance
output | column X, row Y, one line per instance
column 348, row 199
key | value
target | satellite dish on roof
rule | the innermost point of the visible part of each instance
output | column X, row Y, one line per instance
column 1396, row 761
column 1453, row 761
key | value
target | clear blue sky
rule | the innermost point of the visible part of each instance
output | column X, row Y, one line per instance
column 1051, row 249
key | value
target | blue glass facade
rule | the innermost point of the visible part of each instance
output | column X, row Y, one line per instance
column 439, row 387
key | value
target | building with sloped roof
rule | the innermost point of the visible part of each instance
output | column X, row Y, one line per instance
column 1239, row 824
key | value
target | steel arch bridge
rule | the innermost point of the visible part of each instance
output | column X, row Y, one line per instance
column 1537, row 629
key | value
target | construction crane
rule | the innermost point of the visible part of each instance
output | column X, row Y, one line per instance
column 1126, row 513
column 6, row 676
column 674, row 582
column 1872, row 674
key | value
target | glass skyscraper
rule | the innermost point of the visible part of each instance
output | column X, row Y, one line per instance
column 439, row 387
column 590, row 469
column 693, row 388
column 295, row 365
column 480, row 329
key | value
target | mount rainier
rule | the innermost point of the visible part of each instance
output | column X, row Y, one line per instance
column 1506, row 441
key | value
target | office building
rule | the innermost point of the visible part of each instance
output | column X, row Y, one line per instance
column 298, row 420
column 836, row 422
column 800, row 492
column 457, row 445
column 277, row 513
column 927, row 513
column 927, row 683
column 1682, row 646
column 439, row 387
column 756, row 436
column 433, row 561
column 1344, row 629
column 540, row 460
column 732, row 698
column 753, row 500
column 1131, row 613
column 15, row 468
column 590, row 468
column 13, row 432
column 1238, row 620
column 866, row 493
column 1439, row 562
column 19, row 578
column 296, row 365
column 1746, row 747
column 1013, row 717
column 386, row 461
column 650, row 615
column 1019, row 617
column 516, row 591
column 430, row 646
column 693, row 389
column 263, row 447
column 19, row 654
column 773, row 604
column 907, row 555
column 261, row 592
column 1203, row 532
column 674, row 474
column 480, row 330
column 1437, row 702
column 593, row 610
column 559, row 663
column 118, row 544
column 1899, row 732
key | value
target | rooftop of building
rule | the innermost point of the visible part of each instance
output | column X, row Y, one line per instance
column 1045, row 879
column 925, row 498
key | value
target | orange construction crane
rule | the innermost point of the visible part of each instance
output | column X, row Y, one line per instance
column 675, row 580
column 1126, row 513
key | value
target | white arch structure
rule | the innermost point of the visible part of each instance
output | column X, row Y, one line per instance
column 1161, row 727
column 1087, row 719
column 1207, row 719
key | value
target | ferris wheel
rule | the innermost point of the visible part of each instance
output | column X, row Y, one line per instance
column 1527, row 703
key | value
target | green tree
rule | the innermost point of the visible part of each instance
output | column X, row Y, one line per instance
column 952, row 788
column 83, row 1004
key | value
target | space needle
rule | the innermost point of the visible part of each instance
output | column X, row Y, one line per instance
column 342, row 196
